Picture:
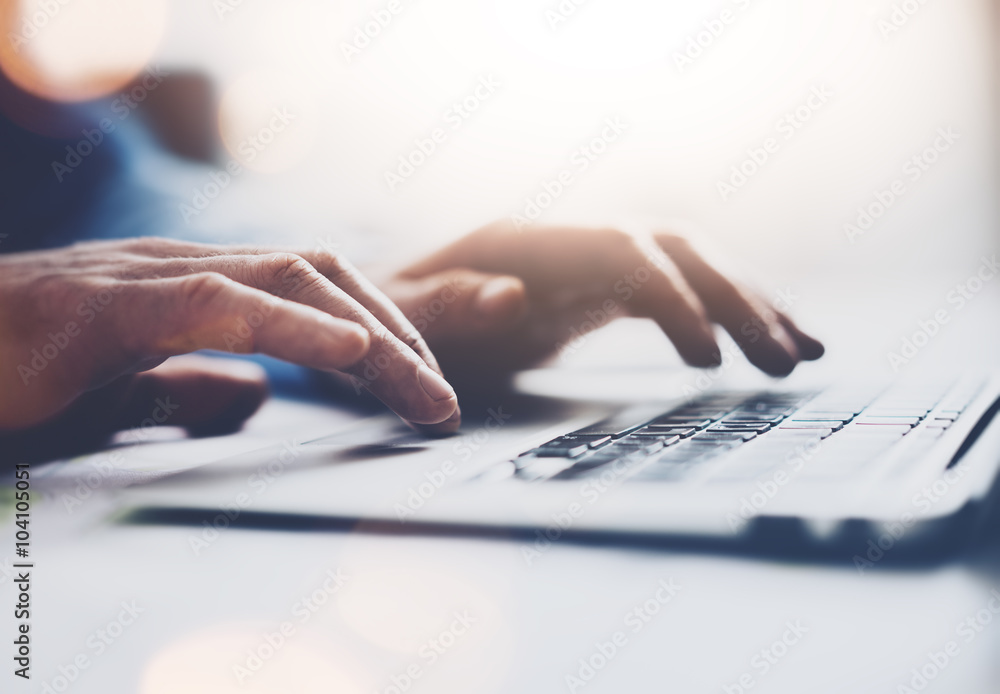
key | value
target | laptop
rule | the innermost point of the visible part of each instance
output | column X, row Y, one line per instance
column 862, row 471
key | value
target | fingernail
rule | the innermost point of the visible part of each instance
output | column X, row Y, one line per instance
column 435, row 386
column 490, row 298
column 340, row 327
column 346, row 335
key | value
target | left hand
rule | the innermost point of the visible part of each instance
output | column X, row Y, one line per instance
column 501, row 299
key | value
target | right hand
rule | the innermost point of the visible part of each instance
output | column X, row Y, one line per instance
column 80, row 318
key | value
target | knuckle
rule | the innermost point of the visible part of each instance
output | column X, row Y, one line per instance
column 334, row 264
column 286, row 272
column 414, row 340
column 203, row 290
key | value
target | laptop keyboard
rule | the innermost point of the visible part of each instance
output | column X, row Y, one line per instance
column 738, row 436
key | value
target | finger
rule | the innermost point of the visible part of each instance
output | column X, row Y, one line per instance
column 167, row 317
column 598, row 257
column 667, row 299
column 755, row 328
column 202, row 394
column 344, row 275
column 461, row 303
column 332, row 266
column 392, row 369
column 810, row 348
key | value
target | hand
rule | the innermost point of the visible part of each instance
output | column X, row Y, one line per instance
column 88, row 317
column 502, row 299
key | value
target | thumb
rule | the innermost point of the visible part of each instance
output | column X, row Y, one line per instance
column 460, row 302
column 205, row 395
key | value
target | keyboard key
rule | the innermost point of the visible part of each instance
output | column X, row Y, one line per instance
column 867, row 419
column 695, row 413
column 741, row 417
column 684, row 422
column 724, row 436
column 542, row 468
column 755, row 428
column 809, row 426
column 834, row 425
column 938, row 424
column 844, row 417
column 556, row 449
column 595, row 442
column 615, row 428
column 668, row 430
column 642, row 445
column 916, row 412
column 882, row 428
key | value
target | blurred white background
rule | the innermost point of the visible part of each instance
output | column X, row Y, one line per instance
column 362, row 96
column 685, row 128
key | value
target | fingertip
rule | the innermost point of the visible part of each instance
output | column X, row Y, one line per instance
column 700, row 348
column 772, row 357
column 810, row 348
column 500, row 299
column 445, row 428
column 703, row 359
column 778, row 365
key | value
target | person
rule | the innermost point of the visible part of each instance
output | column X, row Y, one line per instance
column 89, row 331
